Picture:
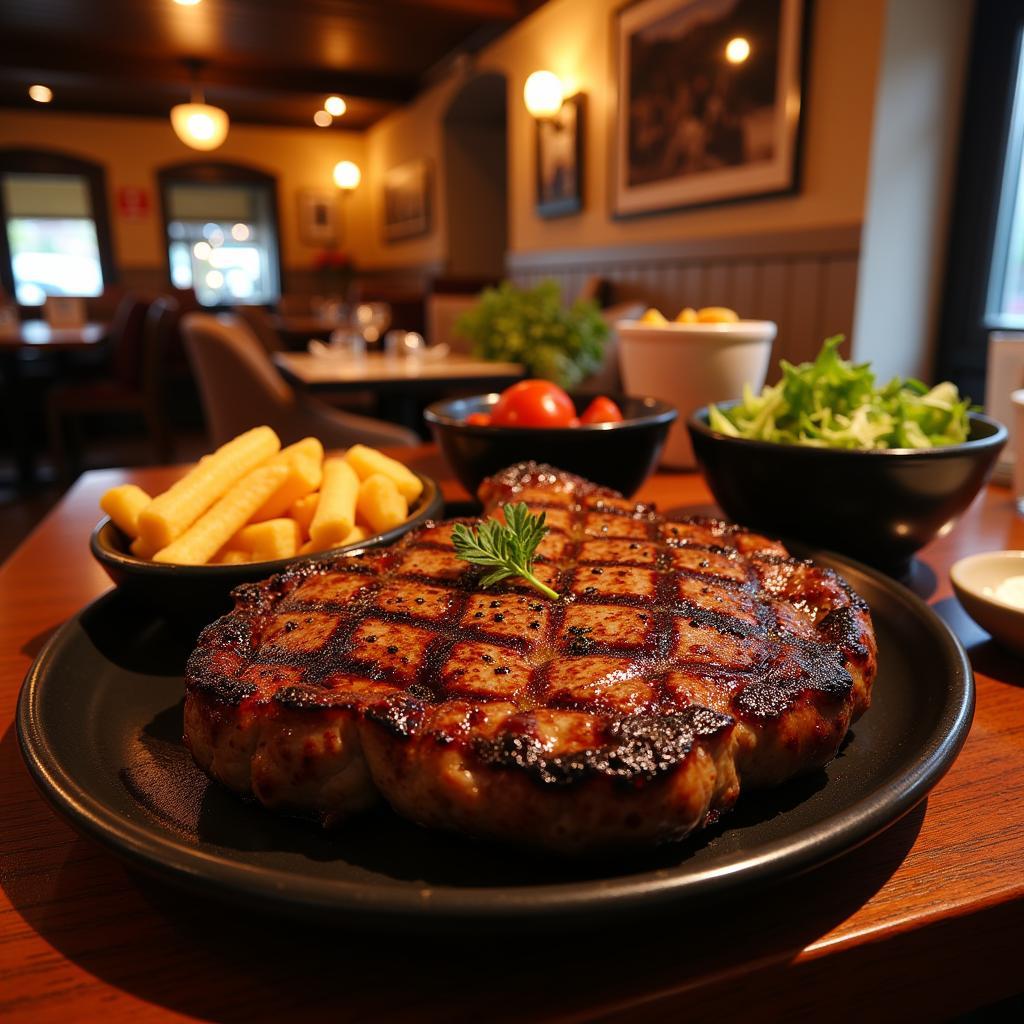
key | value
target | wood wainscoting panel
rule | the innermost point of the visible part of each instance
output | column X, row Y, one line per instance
column 805, row 280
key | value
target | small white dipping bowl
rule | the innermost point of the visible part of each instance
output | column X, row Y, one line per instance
column 692, row 365
column 975, row 580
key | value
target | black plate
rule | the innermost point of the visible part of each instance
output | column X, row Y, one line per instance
column 99, row 721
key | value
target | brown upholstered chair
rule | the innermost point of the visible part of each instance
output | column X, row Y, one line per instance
column 130, row 388
column 259, row 321
column 241, row 388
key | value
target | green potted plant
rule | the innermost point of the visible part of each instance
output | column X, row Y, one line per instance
column 531, row 326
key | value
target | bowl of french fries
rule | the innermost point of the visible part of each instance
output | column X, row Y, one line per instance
column 249, row 510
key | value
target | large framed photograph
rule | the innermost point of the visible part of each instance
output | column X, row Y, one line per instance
column 407, row 201
column 709, row 98
column 318, row 217
column 560, row 160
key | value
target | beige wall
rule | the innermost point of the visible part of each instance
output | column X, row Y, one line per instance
column 132, row 149
column 913, row 157
column 573, row 39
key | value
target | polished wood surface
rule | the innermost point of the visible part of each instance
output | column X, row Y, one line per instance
column 924, row 921
column 38, row 334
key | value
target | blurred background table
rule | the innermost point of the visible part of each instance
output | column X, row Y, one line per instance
column 32, row 339
column 401, row 386
column 922, row 922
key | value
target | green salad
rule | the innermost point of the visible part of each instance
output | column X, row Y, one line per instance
column 833, row 403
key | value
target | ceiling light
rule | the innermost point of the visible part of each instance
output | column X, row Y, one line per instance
column 40, row 93
column 322, row 119
column 188, row 3
column 198, row 124
column 335, row 106
column 737, row 50
column 543, row 94
column 347, row 175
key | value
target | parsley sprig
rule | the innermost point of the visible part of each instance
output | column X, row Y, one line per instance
column 506, row 548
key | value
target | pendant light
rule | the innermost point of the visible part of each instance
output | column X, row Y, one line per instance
column 198, row 124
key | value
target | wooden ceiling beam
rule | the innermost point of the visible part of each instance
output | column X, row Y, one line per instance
column 27, row 62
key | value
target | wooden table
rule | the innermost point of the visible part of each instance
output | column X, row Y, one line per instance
column 924, row 921
column 34, row 336
column 38, row 334
column 377, row 371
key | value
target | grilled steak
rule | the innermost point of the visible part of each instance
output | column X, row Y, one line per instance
column 683, row 660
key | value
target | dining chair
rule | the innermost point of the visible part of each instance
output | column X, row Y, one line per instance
column 121, row 391
column 259, row 321
column 240, row 388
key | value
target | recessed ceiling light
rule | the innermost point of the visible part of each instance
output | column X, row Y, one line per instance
column 322, row 119
column 40, row 93
column 187, row 3
column 335, row 106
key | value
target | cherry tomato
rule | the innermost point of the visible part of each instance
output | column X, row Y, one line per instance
column 478, row 419
column 533, row 403
column 602, row 410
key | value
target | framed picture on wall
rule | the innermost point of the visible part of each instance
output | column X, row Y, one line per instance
column 560, row 160
column 407, row 201
column 318, row 217
column 709, row 96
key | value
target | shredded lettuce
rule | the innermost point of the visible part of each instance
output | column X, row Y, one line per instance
column 833, row 403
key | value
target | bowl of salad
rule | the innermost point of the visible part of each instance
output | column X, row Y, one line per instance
column 829, row 457
column 614, row 440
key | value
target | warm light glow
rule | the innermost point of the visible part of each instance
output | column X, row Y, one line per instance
column 201, row 250
column 188, row 3
column 40, row 93
column 543, row 94
column 335, row 106
column 322, row 119
column 737, row 50
column 240, row 232
column 347, row 175
column 199, row 125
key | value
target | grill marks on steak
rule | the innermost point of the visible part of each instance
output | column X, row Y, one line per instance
column 683, row 657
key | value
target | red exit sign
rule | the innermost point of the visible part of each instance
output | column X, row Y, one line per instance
column 132, row 202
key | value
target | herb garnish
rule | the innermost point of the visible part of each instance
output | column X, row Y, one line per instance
column 507, row 548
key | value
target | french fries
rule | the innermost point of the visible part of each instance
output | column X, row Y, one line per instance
column 380, row 504
column 336, row 510
column 170, row 514
column 212, row 530
column 368, row 461
column 252, row 501
column 123, row 504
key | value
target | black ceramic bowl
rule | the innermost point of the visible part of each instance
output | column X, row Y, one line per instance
column 879, row 506
column 204, row 591
column 618, row 455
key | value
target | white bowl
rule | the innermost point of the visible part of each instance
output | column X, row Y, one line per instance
column 692, row 365
column 975, row 580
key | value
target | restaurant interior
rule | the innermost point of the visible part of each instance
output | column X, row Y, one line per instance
column 288, row 280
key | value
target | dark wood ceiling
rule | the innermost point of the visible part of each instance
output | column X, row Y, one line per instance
column 264, row 61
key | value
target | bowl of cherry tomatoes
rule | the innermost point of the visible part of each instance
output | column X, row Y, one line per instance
column 614, row 440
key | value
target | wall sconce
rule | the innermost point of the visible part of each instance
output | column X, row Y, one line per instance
column 198, row 124
column 347, row 175
column 543, row 94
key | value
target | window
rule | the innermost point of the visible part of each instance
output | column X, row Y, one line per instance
column 221, row 224
column 54, row 239
column 1005, row 298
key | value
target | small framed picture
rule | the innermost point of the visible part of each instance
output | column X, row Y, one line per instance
column 318, row 217
column 709, row 97
column 407, row 201
column 560, row 160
